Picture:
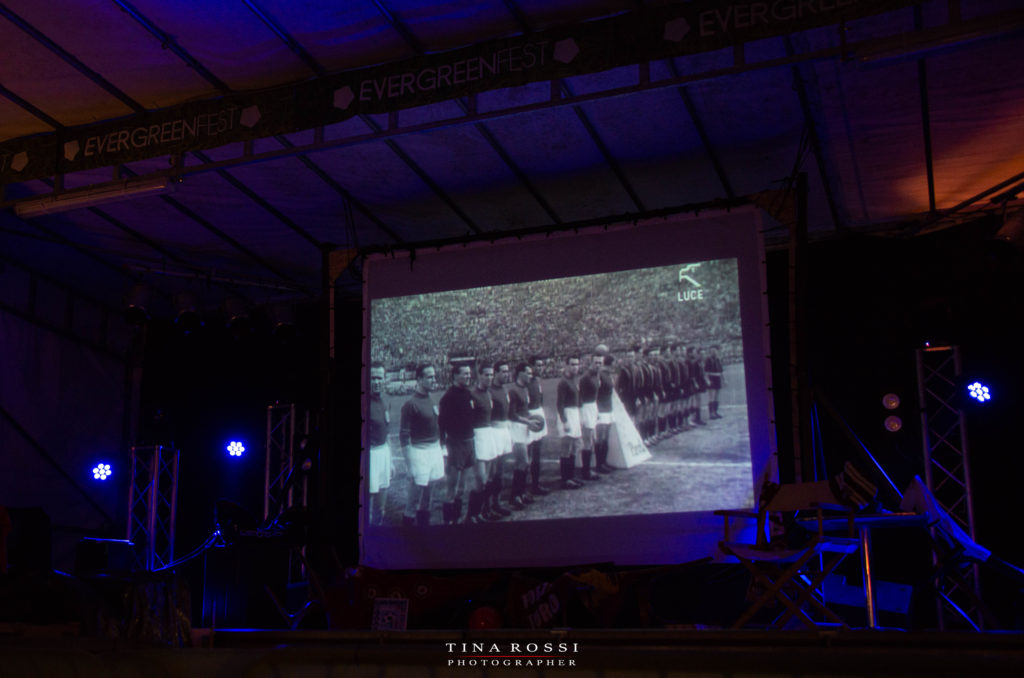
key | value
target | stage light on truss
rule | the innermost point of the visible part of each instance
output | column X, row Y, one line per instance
column 893, row 423
column 101, row 471
column 890, row 401
column 1012, row 230
column 282, row 320
column 236, row 448
column 236, row 313
column 187, row 313
column 137, row 304
column 979, row 392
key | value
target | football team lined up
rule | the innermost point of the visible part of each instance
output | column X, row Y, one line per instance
column 460, row 446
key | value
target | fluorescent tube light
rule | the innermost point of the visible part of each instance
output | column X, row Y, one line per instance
column 91, row 196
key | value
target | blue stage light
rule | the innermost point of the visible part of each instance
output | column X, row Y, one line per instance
column 101, row 471
column 979, row 392
column 236, row 448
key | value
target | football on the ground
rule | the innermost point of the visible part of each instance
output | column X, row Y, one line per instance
column 535, row 422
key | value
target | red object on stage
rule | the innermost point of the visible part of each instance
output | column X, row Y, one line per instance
column 485, row 618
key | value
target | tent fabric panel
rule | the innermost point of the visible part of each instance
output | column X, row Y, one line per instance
column 229, row 40
column 136, row 62
column 42, row 79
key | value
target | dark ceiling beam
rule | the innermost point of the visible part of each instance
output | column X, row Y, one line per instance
column 424, row 176
column 496, row 146
column 28, row 107
column 518, row 14
column 482, row 129
column 319, row 70
column 166, row 253
column 117, row 223
column 56, row 237
column 340, row 190
column 320, row 144
column 926, row 118
column 70, row 59
column 67, row 331
column 131, row 103
column 62, row 285
column 810, row 121
column 705, row 140
column 239, row 247
column 610, row 159
column 399, row 26
column 941, row 215
column 36, row 447
column 549, row 229
column 136, row 235
column 259, row 200
column 181, row 208
column 485, row 132
column 285, row 37
column 524, row 25
column 858, row 181
column 168, row 42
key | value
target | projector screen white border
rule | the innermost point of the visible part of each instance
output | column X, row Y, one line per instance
column 624, row 540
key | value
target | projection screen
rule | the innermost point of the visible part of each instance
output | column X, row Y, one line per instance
column 666, row 320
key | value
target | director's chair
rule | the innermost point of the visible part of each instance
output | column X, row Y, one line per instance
column 788, row 563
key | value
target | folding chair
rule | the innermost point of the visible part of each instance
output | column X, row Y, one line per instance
column 791, row 573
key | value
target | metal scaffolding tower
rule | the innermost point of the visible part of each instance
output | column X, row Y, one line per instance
column 153, row 503
column 947, row 471
column 286, row 425
column 285, row 485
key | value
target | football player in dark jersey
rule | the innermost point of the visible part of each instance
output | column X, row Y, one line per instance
column 652, row 394
column 605, row 389
column 683, row 391
column 455, row 422
column 716, row 380
column 502, row 436
column 421, row 447
column 485, row 450
column 536, row 409
column 628, row 382
column 588, row 384
column 567, row 404
column 702, row 384
column 518, row 418
column 697, row 384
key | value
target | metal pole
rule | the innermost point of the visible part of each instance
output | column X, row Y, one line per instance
column 968, row 494
column 923, row 404
column 131, row 496
column 869, row 588
column 799, row 395
column 154, row 497
column 174, row 505
column 291, row 458
column 926, row 448
column 266, row 474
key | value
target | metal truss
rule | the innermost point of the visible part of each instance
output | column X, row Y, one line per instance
column 285, row 485
column 152, row 503
column 947, row 473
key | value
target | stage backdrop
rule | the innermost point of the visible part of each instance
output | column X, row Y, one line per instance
column 694, row 282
